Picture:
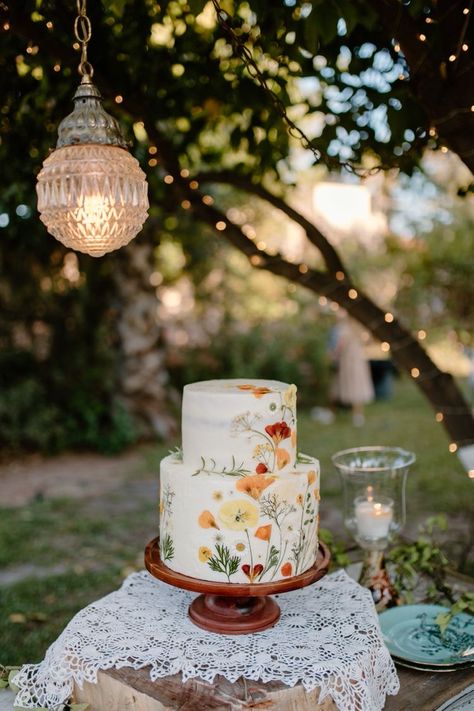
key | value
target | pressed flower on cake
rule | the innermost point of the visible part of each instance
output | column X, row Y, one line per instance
column 239, row 514
column 282, row 457
column 264, row 532
column 252, row 572
column 256, row 390
column 289, row 397
column 204, row 554
column 286, row 570
column 254, row 485
column 207, row 520
column 278, row 431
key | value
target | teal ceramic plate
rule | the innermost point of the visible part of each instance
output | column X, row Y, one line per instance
column 411, row 634
column 426, row 668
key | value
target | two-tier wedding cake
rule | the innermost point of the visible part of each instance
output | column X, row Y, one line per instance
column 239, row 505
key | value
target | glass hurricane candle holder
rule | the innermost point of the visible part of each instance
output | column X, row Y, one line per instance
column 373, row 484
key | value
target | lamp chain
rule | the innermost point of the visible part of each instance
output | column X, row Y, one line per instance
column 83, row 32
column 224, row 20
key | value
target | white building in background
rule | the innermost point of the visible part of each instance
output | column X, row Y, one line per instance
column 346, row 210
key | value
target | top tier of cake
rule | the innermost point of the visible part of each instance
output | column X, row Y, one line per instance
column 239, row 426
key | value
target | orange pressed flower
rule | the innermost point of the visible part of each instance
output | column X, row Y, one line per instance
column 256, row 390
column 282, row 457
column 299, row 499
column 286, row 570
column 317, row 495
column 254, row 485
column 259, row 392
column 207, row 520
column 264, row 532
column 311, row 477
column 293, row 438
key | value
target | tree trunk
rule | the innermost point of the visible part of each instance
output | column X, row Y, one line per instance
column 142, row 377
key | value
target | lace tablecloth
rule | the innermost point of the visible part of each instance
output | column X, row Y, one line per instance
column 328, row 637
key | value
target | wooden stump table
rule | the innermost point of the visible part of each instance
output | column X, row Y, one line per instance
column 130, row 690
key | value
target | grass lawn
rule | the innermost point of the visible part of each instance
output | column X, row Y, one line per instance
column 82, row 548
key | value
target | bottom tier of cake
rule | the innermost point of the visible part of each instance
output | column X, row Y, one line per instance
column 239, row 527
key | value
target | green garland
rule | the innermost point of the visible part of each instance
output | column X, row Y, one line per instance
column 412, row 564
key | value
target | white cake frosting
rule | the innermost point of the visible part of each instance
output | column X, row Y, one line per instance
column 238, row 506
column 235, row 423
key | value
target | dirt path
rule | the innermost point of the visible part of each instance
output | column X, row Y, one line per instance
column 65, row 476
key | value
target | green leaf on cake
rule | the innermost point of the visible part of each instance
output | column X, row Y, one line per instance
column 167, row 548
column 303, row 459
column 223, row 562
column 272, row 561
column 176, row 453
column 210, row 467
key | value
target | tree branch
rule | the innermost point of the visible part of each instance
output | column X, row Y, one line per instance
column 331, row 258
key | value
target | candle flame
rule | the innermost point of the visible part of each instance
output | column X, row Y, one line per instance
column 370, row 491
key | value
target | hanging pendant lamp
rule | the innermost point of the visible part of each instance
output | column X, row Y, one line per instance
column 92, row 193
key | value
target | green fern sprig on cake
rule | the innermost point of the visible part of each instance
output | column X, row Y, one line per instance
column 223, row 562
column 210, row 467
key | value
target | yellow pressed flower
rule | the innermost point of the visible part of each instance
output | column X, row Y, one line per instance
column 237, row 515
column 317, row 495
column 240, row 546
column 299, row 499
column 289, row 397
column 217, row 495
column 261, row 449
column 204, row 554
column 311, row 477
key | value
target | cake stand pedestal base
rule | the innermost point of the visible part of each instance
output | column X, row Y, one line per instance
column 234, row 615
column 234, row 608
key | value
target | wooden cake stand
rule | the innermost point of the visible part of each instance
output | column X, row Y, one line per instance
column 229, row 608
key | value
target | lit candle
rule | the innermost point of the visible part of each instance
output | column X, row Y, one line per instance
column 373, row 518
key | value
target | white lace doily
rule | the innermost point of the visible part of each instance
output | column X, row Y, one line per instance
column 328, row 637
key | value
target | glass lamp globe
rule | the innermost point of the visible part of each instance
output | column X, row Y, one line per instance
column 92, row 193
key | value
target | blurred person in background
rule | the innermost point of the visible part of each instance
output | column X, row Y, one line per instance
column 352, row 384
